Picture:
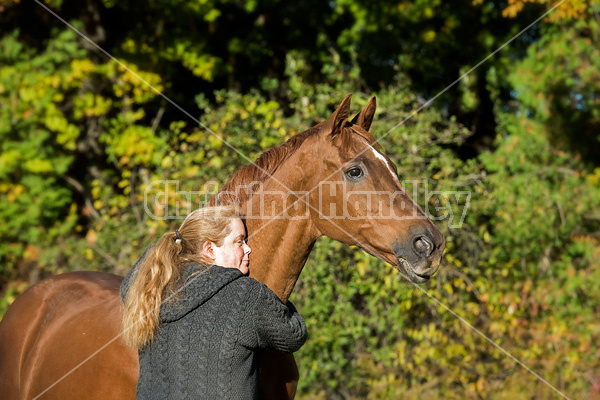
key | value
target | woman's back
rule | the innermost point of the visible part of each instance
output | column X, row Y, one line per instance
column 206, row 342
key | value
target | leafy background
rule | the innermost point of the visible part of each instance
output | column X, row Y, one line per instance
column 81, row 139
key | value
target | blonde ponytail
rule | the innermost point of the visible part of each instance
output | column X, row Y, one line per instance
column 157, row 277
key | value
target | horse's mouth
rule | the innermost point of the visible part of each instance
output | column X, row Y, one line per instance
column 402, row 265
column 406, row 269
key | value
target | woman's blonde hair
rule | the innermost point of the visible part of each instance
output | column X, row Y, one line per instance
column 157, row 275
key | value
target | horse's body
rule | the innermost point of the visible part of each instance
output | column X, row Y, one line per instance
column 60, row 325
column 54, row 326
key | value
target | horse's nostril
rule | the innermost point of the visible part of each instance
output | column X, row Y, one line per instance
column 423, row 246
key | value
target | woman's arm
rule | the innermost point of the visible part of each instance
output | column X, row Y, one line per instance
column 279, row 326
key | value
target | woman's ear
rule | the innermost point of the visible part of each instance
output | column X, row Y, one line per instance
column 208, row 249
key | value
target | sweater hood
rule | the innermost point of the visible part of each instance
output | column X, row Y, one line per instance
column 197, row 285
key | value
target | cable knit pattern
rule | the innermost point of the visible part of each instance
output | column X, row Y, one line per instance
column 231, row 333
column 206, row 345
column 181, row 356
column 159, row 364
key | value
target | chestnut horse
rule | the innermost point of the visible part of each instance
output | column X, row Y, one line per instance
column 60, row 338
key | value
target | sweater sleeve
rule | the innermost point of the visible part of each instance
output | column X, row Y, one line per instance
column 278, row 326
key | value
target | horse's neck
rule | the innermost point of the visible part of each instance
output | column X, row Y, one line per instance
column 280, row 249
column 283, row 237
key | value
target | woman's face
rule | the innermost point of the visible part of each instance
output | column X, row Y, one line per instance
column 234, row 252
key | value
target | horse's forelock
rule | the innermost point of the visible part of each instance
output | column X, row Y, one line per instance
column 347, row 137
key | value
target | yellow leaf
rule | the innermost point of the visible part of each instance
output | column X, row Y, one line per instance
column 91, row 237
column 167, row 162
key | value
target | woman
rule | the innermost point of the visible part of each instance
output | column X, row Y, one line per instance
column 195, row 317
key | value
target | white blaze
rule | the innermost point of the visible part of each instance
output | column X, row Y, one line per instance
column 385, row 161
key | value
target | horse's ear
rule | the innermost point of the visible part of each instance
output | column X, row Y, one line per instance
column 340, row 116
column 365, row 117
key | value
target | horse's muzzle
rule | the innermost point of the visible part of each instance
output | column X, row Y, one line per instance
column 419, row 258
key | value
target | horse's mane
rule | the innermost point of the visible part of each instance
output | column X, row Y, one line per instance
column 238, row 189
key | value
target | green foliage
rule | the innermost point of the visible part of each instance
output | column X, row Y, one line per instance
column 557, row 83
column 34, row 153
column 83, row 140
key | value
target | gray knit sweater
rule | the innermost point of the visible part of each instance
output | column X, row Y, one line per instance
column 207, row 343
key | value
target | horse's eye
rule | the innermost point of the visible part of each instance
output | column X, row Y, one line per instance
column 354, row 173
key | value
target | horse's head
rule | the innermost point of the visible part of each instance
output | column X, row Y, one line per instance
column 360, row 201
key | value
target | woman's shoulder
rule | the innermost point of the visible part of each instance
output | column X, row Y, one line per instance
column 250, row 283
column 256, row 291
column 252, row 287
